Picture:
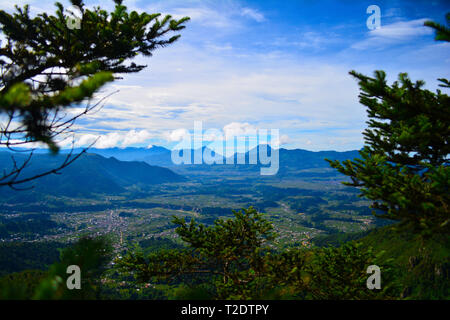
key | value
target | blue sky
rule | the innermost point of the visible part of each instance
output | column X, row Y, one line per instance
column 243, row 65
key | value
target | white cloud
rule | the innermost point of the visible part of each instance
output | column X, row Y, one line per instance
column 177, row 135
column 226, row 84
column 35, row 6
column 402, row 29
column 284, row 139
column 109, row 140
column 239, row 129
column 133, row 137
column 204, row 16
column 253, row 14
column 270, row 91
column 86, row 139
column 397, row 32
column 222, row 15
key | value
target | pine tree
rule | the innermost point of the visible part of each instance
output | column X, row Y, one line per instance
column 48, row 68
column 404, row 165
column 237, row 259
column 231, row 256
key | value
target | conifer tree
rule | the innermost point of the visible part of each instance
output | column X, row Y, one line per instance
column 404, row 165
column 230, row 255
column 48, row 67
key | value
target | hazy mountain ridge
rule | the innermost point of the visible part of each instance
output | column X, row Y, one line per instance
column 91, row 173
column 289, row 159
column 111, row 171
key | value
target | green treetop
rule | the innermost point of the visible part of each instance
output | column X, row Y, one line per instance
column 404, row 165
column 48, row 67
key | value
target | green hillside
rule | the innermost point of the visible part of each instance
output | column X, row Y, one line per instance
column 423, row 266
column 90, row 174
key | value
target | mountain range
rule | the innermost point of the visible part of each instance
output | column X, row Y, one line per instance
column 289, row 159
column 89, row 174
column 111, row 171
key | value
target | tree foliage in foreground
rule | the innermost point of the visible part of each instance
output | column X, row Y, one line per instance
column 92, row 255
column 404, row 165
column 234, row 259
column 231, row 252
column 442, row 32
column 209, row 268
column 48, row 69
